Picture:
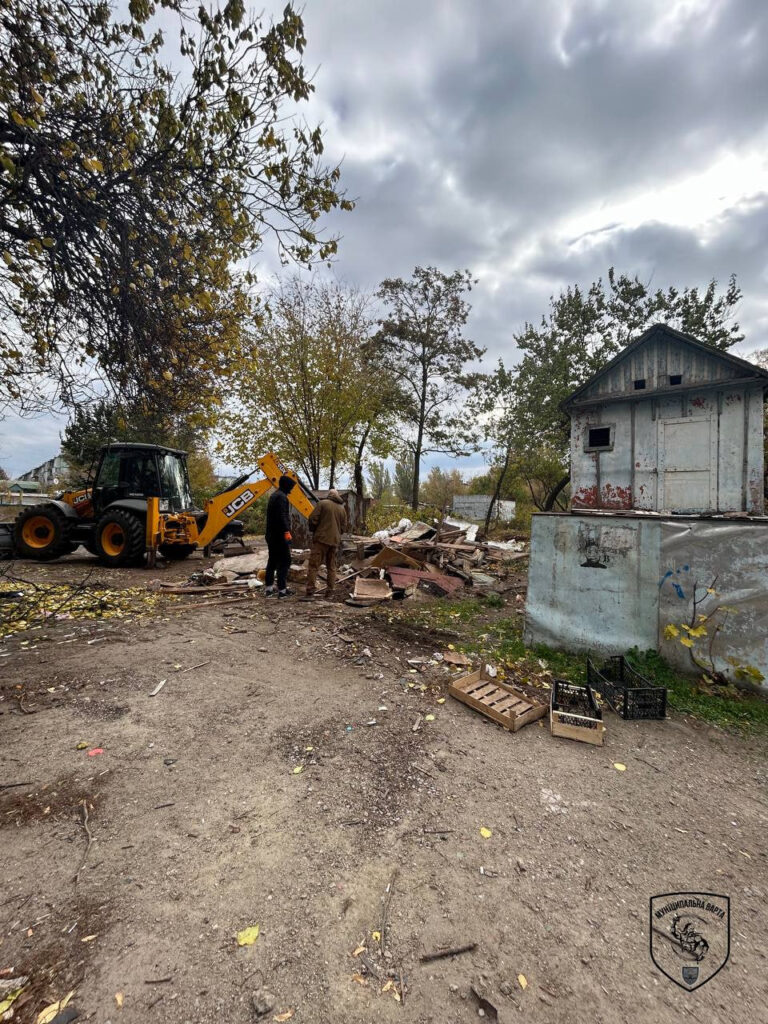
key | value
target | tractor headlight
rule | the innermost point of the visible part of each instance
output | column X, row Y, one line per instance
column 163, row 505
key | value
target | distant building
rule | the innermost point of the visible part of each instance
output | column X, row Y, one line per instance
column 22, row 486
column 50, row 474
column 475, row 506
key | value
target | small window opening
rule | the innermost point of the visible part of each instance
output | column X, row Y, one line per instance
column 675, row 378
column 600, row 437
column 640, row 384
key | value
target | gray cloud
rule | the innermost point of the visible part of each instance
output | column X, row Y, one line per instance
column 478, row 135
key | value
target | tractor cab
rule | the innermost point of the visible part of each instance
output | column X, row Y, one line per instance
column 135, row 472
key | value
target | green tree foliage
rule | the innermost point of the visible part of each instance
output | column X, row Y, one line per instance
column 103, row 421
column 440, row 486
column 403, row 481
column 130, row 190
column 312, row 385
column 421, row 337
column 379, row 480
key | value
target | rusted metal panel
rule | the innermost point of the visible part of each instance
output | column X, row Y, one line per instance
column 608, row 583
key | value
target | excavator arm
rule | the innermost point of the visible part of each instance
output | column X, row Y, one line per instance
column 222, row 508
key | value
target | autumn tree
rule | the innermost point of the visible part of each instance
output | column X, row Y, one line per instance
column 581, row 332
column 422, row 337
column 311, row 386
column 379, row 480
column 402, row 481
column 440, row 487
column 145, row 155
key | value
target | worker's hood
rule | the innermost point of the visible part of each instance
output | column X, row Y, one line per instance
column 334, row 495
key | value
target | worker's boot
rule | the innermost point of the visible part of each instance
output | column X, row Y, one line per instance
column 285, row 593
column 269, row 591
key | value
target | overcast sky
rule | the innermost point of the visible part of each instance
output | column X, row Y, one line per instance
column 537, row 142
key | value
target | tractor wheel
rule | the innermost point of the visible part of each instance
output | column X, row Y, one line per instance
column 120, row 538
column 42, row 532
column 176, row 552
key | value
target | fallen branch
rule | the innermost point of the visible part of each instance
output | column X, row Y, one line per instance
column 193, row 667
column 90, row 840
column 13, row 785
column 442, row 954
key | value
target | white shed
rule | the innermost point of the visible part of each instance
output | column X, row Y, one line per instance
column 669, row 425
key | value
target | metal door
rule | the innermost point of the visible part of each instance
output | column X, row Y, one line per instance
column 687, row 464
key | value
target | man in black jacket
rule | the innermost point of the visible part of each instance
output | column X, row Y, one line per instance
column 278, row 537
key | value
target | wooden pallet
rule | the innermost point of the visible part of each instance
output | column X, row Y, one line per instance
column 504, row 704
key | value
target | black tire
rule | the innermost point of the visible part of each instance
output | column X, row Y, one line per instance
column 176, row 552
column 120, row 538
column 42, row 532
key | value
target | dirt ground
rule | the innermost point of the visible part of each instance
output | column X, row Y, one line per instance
column 255, row 788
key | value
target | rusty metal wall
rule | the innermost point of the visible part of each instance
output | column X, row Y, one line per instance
column 607, row 583
column 652, row 434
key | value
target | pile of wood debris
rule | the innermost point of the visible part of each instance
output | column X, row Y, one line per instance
column 440, row 560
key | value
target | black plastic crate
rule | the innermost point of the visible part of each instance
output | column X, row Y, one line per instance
column 629, row 694
column 574, row 712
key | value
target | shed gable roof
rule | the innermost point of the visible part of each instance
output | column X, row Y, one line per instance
column 655, row 355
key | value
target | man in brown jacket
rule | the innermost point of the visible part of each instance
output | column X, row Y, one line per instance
column 328, row 521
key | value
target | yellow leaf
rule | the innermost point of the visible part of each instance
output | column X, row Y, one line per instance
column 388, row 986
column 82, row 745
column 359, row 979
column 485, row 832
column 522, row 981
column 376, row 936
column 18, row 119
column 671, row 631
column 396, row 994
column 8, row 258
column 429, row 718
column 441, row 700
column 88, row 938
column 47, row 1015
column 119, row 998
column 11, row 998
column 619, row 766
column 36, row 95
column 299, row 768
column 309, row 749
column 283, row 1016
column 248, row 936
column 686, row 641
column 167, row 375
column 49, row 243
column 359, row 950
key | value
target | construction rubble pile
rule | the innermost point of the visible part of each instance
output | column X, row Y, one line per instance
column 440, row 560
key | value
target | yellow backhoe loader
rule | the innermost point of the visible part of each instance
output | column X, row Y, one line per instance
column 140, row 504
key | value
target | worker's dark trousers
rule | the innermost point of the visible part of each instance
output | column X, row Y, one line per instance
column 279, row 562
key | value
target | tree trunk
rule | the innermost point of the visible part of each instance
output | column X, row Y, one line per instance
column 552, row 496
column 359, row 482
column 419, row 441
column 496, row 492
